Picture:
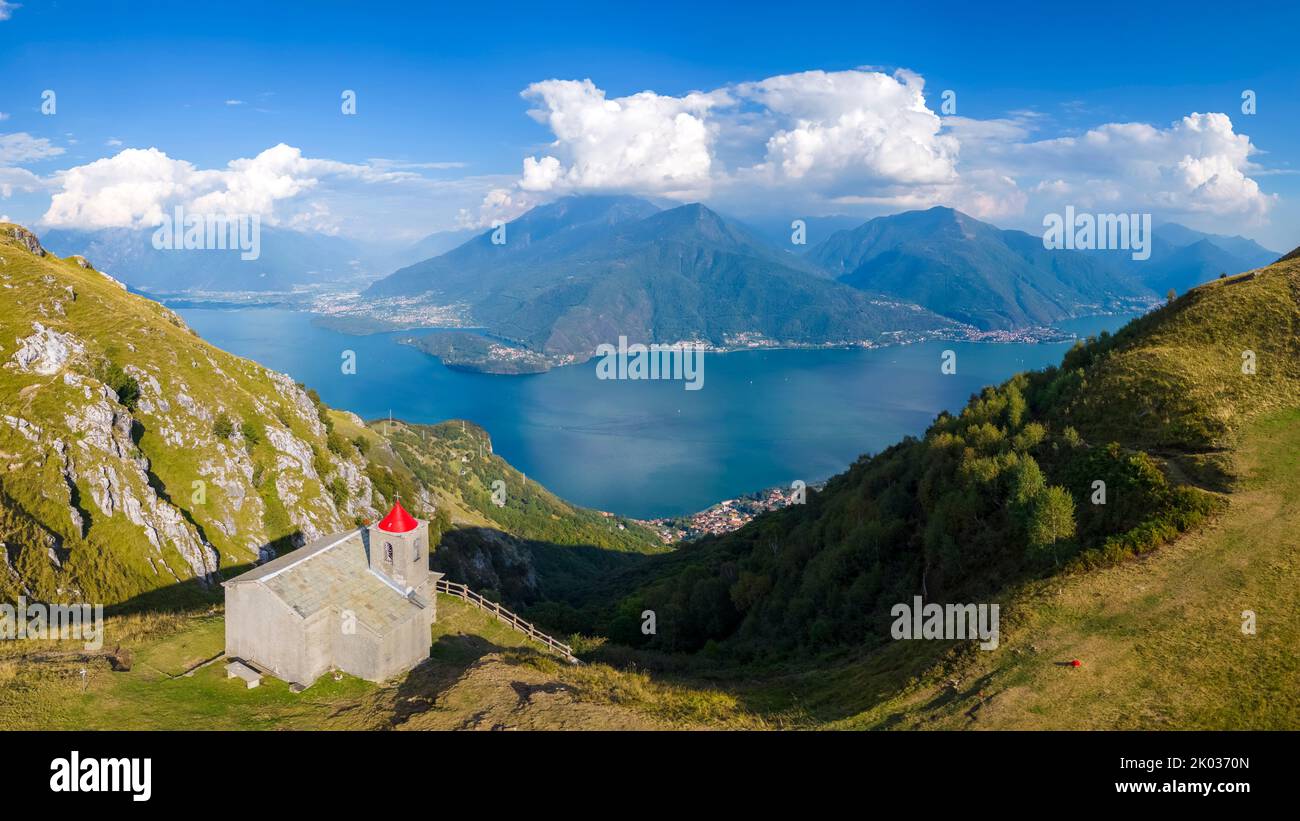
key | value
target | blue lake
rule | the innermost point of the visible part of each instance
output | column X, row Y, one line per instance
column 647, row 448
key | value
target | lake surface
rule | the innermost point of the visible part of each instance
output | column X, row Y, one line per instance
column 647, row 448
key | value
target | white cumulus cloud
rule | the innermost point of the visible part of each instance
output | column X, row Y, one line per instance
column 645, row 142
column 136, row 187
column 849, row 130
column 17, row 179
column 847, row 136
column 1198, row 164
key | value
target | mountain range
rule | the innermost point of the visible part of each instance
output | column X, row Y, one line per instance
column 288, row 260
column 1182, row 258
column 582, row 270
column 971, row 271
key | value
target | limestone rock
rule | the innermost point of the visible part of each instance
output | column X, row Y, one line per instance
column 46, row 351
column 26, row 239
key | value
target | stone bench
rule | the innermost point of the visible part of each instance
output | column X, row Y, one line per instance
column 237, row 669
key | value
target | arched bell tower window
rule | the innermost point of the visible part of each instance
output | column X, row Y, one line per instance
column 388, row 551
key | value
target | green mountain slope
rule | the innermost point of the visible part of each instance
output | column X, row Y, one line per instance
column 1161, row 640
column 473, row 269
column 971, row 271
column 136, row 458
column 996, row 496
column 585, row 270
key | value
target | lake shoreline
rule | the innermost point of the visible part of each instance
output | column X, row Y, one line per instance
column 647, row 449
column 509, row 364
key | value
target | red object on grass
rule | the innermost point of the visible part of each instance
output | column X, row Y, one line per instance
column 1076, row 663
column 398, row 520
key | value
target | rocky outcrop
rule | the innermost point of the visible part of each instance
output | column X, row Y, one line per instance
column 46, row 351
column 26, row 240
column 135, row 487
column 30, row 432
column 300, row 400
column 360, row 490
column 107, row 461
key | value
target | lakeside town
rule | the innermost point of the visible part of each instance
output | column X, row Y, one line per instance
column 727, row 515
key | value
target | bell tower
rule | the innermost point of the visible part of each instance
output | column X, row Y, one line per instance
column 399, row 549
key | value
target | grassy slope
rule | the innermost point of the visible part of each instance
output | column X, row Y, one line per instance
column 1160, row 638
column 481, row 676
column 1174, row 380
column 454, row 459
column 255, row 492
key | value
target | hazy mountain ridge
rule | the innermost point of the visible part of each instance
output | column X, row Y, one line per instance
column 960, row 267
column 1182, row 258
column 287, row 260
column 1248, row 250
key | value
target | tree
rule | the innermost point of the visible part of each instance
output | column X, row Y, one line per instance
column 1171, row 296
column 1051, row 520
column 1016, row 406
column 250, row 432
column 1027, row 482
column 1071, row 437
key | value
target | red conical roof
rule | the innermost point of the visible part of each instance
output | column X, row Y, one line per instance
column 398, row 520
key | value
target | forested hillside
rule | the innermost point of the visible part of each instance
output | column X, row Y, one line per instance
column 1002, row 492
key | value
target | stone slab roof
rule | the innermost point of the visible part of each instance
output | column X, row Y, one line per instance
column 333, row 572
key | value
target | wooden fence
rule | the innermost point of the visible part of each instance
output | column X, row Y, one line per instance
column 508, row 618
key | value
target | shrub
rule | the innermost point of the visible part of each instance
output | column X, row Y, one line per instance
column 339, row 492
column 336, row 442
column 123, row 384
column 222, row 427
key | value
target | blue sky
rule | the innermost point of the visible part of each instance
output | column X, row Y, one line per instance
column 799, row 108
